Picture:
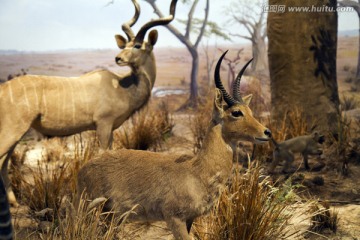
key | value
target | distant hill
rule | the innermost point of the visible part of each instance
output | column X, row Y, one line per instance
column 348, row 33
column 75, row 50
column 9, row 52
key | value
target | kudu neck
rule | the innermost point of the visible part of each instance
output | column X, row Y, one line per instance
column 146, row 70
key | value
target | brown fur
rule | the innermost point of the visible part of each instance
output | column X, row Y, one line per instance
column 306, row 145
column 169, row 187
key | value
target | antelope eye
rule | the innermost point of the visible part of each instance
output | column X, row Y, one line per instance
column 237, row 114
column 137, row 46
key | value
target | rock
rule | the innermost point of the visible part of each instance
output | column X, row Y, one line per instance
column 45, row 226
column 318, row 167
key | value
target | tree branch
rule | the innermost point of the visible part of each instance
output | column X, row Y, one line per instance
column 202, row 30
column 170, row 27
column 241, row 36
column 248, row 25
column 109, row 3
column 349, row 3
column 190, row 18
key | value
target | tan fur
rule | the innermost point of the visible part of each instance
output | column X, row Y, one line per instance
column 306, row 145
column 61, row 106
column 170, row 187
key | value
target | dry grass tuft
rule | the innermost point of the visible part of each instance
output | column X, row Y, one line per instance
column 87, row 222
column 47, row 185
column 348, row 103
column 47, row 188
column 341, row 146
column 292, row 125
column 249, row 208
column 146, row 129
column 323, row 218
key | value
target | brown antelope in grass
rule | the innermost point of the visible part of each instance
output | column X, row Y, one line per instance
column 175, row 188
column 100, row 100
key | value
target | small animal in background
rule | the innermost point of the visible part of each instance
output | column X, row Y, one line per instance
column 306, row 145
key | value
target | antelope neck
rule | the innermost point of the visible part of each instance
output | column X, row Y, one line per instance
column 215, row 157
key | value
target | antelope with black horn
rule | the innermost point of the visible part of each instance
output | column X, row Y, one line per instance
column 169, row 187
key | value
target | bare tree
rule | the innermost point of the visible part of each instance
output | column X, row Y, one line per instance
column 201, row 27
column 232, row 63
column 210, row 60
column 356, row 6
column 250, row 15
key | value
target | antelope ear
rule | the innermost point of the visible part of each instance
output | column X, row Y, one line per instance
column 315, row 135
column 218, row 112
column 247, row 99
column 153, row 36
column 121, row 41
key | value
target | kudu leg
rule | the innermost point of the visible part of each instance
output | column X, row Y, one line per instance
column 105, row 135
column 6, row 149
column 5, row 176
column 178, row 228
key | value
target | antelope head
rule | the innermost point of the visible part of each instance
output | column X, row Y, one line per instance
column 134, row 48
column 235, row 115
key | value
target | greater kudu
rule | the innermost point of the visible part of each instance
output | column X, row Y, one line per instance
column 175, row 188
column 100, row 100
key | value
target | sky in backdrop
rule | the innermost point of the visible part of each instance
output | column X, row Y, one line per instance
column 46, row 25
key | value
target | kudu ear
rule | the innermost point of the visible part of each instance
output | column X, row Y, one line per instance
column 247, row 99
column 218, row 112
column 153, row 36
column 121, row 41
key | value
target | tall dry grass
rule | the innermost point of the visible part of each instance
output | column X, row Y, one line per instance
column 340, row 144
column 146, row 129
column 322, row 217
column 50, row 187
column 86, row 222
column 249, row 208
column 348, row 102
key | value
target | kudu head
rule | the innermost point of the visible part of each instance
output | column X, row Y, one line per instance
column 234, row 114
column 135, row 50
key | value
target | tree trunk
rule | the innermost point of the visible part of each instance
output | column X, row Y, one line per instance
column 358, row 63
column 259, row 54
column 302, row 62
column 258, row 49
column 194, row 74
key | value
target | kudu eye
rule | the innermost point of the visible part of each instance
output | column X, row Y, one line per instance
column 237, row 114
